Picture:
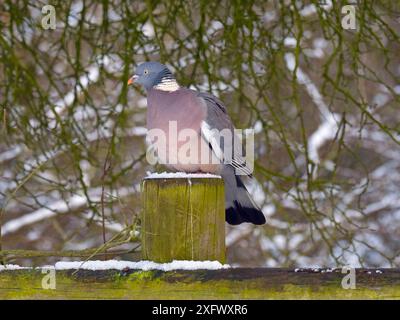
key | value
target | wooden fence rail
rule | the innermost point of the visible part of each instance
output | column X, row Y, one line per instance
column 240, row 283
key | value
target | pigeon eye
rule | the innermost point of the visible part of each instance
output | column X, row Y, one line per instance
column 146, row 71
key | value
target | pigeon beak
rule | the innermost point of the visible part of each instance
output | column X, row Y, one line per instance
column 133, row 79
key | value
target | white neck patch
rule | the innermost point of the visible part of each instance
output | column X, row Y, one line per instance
column 167, row 85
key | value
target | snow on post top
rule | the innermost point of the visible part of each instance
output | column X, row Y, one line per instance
column 174, row 175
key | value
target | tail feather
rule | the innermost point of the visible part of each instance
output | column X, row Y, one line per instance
column 238, row 214
column 240, row 207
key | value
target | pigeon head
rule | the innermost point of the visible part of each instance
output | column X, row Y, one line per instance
column 154, row 75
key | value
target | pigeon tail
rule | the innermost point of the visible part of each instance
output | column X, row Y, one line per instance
column 240, row 207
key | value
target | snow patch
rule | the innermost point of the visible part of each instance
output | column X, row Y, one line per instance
column 325, row 132
column 311, row 9
column 57, row 207
column 290, row 42
column 11, row 153
column 148, row 30
column 141, row 265
column 11, row 267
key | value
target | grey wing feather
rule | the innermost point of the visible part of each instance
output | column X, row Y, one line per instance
column 218, row 118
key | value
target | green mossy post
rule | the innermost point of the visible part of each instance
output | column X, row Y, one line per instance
column 183, row 219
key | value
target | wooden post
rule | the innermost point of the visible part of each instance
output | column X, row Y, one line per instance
column 183, row 218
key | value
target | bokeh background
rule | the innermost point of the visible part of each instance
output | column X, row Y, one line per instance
column 324, row 103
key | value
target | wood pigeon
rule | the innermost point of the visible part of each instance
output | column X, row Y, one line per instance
column 201, row 112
